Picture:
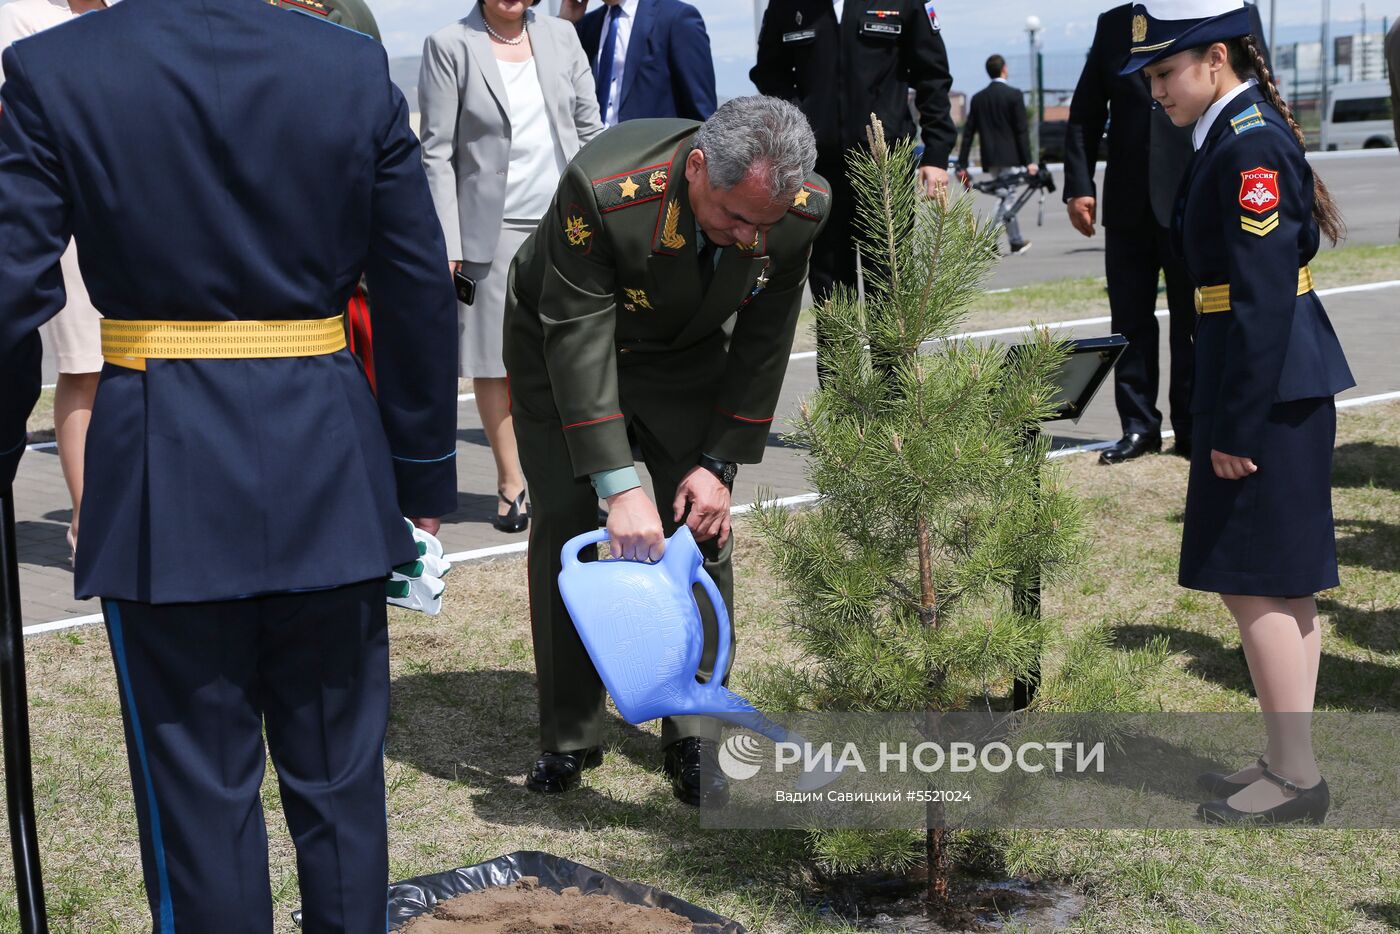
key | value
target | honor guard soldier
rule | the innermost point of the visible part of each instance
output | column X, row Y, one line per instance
column 1258, row 526
column 657, row 299
column 840, row 63
column 245, row 489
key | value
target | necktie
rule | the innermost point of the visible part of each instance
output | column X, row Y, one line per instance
column 708, row 257
column 605, row 62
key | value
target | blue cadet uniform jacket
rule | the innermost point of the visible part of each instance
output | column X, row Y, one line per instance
column 1245, row 219
column 215, row 161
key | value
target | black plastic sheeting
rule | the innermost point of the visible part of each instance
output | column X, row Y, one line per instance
column 413, row 897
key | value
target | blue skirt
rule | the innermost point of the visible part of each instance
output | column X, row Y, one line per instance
column 1270, row 534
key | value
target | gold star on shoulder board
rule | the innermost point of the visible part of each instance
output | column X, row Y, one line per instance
column 629, row 187
column 801, row 199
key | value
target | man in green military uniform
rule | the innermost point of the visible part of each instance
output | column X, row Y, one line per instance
column 617, row 324
column 352, row 14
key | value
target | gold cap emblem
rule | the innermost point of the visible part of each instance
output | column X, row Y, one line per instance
column 1139, row 28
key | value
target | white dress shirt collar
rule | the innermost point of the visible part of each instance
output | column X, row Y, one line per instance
column 1204, row 123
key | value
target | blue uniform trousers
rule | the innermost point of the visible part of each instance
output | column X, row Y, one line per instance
column 199, row 682
column 1133, row 257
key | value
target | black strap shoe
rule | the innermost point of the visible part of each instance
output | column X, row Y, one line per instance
column 1219, row 786
column 516, row 518
column 557, row 772
column 692, row 766
column 1133, row 444
column 1307, row 805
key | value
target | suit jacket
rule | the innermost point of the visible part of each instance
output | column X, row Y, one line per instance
column 1147, row 154
column 839, row 73
column 669, row 71
column 998, row 115
column 606, row 319
column 465, row 125
column 1246, row 221
column 200, row 185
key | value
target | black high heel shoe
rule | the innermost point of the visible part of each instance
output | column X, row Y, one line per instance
column 1307, row 804
column 1219, row 786
column 516, row 519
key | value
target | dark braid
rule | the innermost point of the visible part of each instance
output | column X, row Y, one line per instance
column 1325, row 212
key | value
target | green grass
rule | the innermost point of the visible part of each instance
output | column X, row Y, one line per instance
column 463, row 730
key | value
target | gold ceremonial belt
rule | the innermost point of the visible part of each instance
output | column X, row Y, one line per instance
column 132, row 343
column 1213, row 298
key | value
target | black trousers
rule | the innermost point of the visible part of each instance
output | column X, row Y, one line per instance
column 1133, row 258
column 199, row 684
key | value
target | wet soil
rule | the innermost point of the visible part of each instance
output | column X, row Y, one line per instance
column 526, row 908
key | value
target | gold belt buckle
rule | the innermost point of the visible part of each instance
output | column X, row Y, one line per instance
column 1196, row 295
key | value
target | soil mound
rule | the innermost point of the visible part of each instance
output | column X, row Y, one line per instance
column 526, row 908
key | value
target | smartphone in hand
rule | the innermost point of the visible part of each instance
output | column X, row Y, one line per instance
column 466, row 287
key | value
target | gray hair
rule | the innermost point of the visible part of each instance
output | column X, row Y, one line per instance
column 764, row 133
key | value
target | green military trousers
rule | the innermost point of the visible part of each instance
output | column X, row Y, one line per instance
column 562, row 506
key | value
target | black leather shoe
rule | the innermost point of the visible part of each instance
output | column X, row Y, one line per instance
column 690, row 764
column 557, row 772
column 516, row 518
column 1182, row 448
column 1307, row 804
column 1134, row 444
column 1218, row 785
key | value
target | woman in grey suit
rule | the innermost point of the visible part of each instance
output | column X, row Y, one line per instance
column 505, row 100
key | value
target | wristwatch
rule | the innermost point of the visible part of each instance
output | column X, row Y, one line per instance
column 724, row 470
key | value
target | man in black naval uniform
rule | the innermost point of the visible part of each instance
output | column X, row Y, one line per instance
column 839, row 63
column 1146, row 158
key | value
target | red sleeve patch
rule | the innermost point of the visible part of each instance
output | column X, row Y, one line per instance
column 1259, row 190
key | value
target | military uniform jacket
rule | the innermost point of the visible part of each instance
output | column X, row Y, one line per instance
column 1245, row 218
column 607, row 320
column 254, row 168
column 839, row 73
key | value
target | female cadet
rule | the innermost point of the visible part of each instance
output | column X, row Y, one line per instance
column 1258, row 526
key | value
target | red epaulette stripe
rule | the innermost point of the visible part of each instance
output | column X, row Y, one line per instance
column 740, row 418
column 815, row 188
column 319, row 11
column 645, row 168
column 593, row 421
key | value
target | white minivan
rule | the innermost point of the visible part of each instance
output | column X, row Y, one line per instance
column 1360, row 116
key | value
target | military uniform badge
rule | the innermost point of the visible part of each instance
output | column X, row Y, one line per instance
column 576, row 230
column 636, row 298
column 1259, row 194
column 658, row 181
column 810, row 202
column 671, row 238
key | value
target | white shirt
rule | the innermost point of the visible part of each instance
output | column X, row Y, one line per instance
column 840, row 7
column 625, row 19
column 1203, row 124
column 536, row 159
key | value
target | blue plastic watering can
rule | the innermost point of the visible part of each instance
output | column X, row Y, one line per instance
column 643, row 630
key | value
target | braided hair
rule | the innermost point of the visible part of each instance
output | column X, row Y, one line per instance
column 1247, row 59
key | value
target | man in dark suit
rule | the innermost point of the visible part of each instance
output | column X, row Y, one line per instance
column 998, row 115
column 246, row 491
column 650, row 58
column 1146, row 157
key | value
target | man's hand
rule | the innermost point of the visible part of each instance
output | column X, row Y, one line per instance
column 573, row 10
column 709, row 505
column 933, row 181
column 431, row 526
column 634, row 527
column 1081, row 214
column 1033, row 169
column 1230, row 467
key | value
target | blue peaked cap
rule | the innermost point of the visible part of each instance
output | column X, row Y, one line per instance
column 1165, row 27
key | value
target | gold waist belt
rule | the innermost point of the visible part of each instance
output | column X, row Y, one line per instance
column 132, row 343
column 1213, row 298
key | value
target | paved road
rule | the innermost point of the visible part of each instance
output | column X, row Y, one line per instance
column 1366, row 320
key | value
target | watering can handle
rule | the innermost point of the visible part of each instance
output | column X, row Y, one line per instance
column 721, row 623
column 579, row 542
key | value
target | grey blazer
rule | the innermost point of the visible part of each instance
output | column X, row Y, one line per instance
column 464, row 121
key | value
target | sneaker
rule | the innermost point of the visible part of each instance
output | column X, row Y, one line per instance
column 1018, row 248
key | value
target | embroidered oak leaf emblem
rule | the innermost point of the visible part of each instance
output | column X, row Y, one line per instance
column 637, row 298
column 658, row 181
column 670, row 237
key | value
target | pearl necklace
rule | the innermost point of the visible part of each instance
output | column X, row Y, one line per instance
column 502, row 39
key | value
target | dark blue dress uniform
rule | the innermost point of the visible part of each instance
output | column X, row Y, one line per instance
column 231, row 161
column 1267, row 363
